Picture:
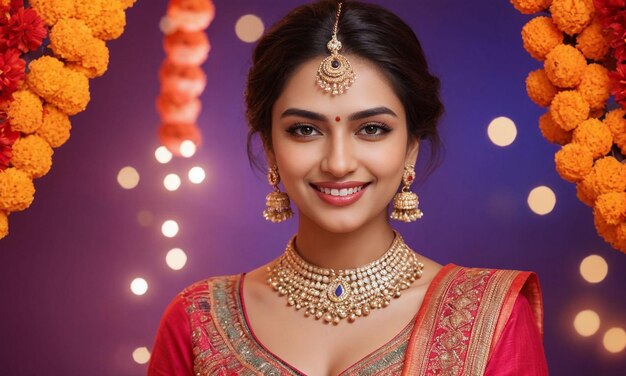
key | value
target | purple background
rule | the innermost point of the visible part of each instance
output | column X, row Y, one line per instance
column 65, row 269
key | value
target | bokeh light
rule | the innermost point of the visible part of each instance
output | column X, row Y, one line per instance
column 587, row 323
column 171, row 182
column 139, row 286
column 145, row 218
column 169, row 228
column 162, row 155
column 502, row 131
column 128, row 177
column 614, row 340
column 249, row 28
column 196, row 175
column 187, row 149
column 541, row 200
column 176, row 259
column 594, row 269
column 141, row 355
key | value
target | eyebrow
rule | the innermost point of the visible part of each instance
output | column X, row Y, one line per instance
column 381, row 110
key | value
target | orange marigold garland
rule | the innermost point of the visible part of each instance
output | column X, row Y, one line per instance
column 35, row 107
column 182, row 80
column 582, row 45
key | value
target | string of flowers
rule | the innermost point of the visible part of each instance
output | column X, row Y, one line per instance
column 583, row 86
column 182, row 80
column 49, row 49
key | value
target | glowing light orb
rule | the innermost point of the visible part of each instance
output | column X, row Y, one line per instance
column 187, row 149
column 587, row 323
column 541, row 200
column 128, row 177
column 139, row 286
column 196, row 175
column 614, row 340
column 141, row 355
column 162, row 155
column 502, row 131
column 171, row 182
column 594, row 269
column 249, row 28
column 169, row 228
column 176, row 259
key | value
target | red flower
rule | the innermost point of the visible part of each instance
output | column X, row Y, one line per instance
column 619, row 84
column 7, row 138
column 22, row 29
column 11, row 72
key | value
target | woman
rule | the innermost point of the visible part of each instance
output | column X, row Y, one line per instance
column 341, row 97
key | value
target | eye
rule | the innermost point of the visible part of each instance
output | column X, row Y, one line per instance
column 374, row 129
column 302, row 130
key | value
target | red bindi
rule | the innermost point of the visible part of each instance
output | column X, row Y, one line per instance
column 337, row 119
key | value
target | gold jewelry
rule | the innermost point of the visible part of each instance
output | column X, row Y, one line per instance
column 405, row 203
column 351, row 293
column 335, row 73
column 277, row 207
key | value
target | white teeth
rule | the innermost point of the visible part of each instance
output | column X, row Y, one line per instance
column 339, row 192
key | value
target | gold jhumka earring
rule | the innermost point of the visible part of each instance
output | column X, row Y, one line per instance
column 335, row 73
column 277, row 207
column 405, row 203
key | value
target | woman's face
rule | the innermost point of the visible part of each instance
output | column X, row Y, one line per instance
column 340, row 158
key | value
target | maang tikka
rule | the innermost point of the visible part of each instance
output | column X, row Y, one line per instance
column 405, row 203
column 277, row 207
column 335, row 73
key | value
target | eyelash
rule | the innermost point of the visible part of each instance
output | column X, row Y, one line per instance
column 295, row 128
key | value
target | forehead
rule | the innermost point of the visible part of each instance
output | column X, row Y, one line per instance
column 370, row 89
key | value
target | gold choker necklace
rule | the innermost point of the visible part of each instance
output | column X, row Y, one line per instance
column 351, row 293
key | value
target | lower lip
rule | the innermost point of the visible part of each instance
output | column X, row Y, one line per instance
column 340, row 200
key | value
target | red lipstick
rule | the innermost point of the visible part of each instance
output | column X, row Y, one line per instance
column 340, row 194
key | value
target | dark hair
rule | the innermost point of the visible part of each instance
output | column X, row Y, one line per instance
column 366, row 30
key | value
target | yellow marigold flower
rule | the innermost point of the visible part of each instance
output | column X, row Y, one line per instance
column 620, row 234
column 611, row 207
column 16, row 190
column 68, row 39
column 56, row 126
column 105, row 18
column 572, row 16
column 96, row 58
column 539, row 88
column 540, row 35
column 617, row 124
column 595, row 135
column 564, row 66
column 25, row 111
column 52, row 11
column 33, row 155
column 569, row 109
column 606, row 231
column 592, row 41
column 552, row 132
column 4, row 224
column 573, row 162
column 595, row 86
column 127, row 3
column 530, row 6
column 74, row 95
column 46, row 76
column 584, row 191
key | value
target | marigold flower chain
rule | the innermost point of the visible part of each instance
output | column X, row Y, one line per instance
column 182, row 80
column 35, row 107
column 582, row 45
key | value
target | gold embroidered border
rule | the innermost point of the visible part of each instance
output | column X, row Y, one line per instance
column 486, row 320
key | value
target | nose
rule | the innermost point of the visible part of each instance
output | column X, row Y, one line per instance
column 339, row 159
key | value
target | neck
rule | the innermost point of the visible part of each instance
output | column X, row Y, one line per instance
column 332, row 250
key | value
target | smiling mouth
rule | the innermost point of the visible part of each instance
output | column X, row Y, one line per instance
column 339, row 192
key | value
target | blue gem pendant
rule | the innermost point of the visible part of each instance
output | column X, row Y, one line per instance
column 338, row 290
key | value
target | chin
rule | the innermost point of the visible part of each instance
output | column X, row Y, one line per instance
column 339, row 223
